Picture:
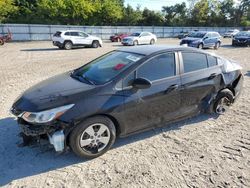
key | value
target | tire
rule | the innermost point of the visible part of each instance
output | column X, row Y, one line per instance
column 200, row 46
column 95, row 44
column 135, row 43
column 152, row 41
column 68, row 45
column 1, row 42
column 217, row 45
column 92, row 144
column 226, row 97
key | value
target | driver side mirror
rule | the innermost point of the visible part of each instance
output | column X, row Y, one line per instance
column 205, row 38
column 141, row 83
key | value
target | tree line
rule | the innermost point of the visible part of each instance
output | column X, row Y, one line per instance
column 212, row 13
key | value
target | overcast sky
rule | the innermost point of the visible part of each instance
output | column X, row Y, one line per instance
column 152, row 4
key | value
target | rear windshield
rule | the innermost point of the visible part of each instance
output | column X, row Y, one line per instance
column 197, row 35
column 107, row 67
column 58, row 34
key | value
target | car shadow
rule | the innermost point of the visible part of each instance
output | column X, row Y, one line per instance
column 40, row 49
column 20, row 162
column 232, row 47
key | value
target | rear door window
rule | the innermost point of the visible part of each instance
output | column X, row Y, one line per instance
column 212, row 61
column 194, row 61
column 75, row 34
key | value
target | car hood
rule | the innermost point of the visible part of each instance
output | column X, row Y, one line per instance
column 50, row 93
column 191, row 39
column 131, row 37
column 242, row 37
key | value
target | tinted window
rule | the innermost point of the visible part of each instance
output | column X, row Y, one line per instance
column 159, row 67
column 57, row 34
column 212, row 61
column 82, row 34
column 74, row 33
column 194, row 61
column 67, row 33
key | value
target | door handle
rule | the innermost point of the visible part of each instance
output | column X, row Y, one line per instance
column 171, row 88
column 213, row 75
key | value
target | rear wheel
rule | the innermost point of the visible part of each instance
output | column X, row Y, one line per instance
column 95, row 44
column 93, row 137
column 152, row 41
column 1, row 42
column 223, row 101
column 68, row 45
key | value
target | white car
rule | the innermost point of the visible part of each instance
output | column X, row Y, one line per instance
column 231, row 33
column 139, row 38
column 73, row 38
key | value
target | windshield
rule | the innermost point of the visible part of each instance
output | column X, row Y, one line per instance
column 243, row 33
column 106, row 67
column 197, row 35
column 135, row 34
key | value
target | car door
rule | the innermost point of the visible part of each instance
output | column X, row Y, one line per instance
column 150, row 107
column 200, row 78
column 75, row 38
column 207, row 40
column 83, row 38
column 142, row 38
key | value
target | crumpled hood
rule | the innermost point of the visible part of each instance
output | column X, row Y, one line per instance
column 53, row 92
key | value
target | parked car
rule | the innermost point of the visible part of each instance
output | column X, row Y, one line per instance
column 118, row 37
column 241, row 39
column 140, row 38
column 231, row 33
column 5, row 38
column 124, row 92
column 183, row 34
column 202, row 39
column 73, row 38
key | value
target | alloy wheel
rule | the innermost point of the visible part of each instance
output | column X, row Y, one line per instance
column 95, row 138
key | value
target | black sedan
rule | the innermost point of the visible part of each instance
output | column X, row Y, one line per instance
column 124, row 92
column 241, row 39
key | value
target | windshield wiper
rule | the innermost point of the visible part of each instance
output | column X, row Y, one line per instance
column 81, row 78
column 87, row 79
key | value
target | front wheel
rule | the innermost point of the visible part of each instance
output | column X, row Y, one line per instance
column 217, row 45
column 93, row 137
column 135, row 43
column 200, row 46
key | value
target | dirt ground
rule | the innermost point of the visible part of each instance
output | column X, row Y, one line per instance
column 205, row 151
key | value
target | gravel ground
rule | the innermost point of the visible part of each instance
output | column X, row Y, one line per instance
column 205, row 151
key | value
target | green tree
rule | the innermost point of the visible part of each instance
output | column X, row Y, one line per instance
column 131, row 16
column 175, row 15
column 150, row 17
column 7, row 8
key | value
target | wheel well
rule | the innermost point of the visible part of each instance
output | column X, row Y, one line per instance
column 67, row 41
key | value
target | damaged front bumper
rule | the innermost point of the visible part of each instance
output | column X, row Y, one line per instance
column 53, row 132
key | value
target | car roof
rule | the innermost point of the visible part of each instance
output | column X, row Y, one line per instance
column 70, row 31
column 147, row 50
